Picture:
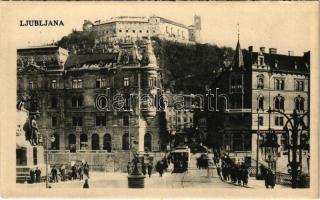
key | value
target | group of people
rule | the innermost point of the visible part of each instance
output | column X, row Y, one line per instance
column 35, row 175
column 74, row 174
column 231, row 172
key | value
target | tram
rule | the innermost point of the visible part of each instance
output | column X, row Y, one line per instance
column 181, row 159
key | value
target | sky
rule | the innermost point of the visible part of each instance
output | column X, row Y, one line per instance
column 282, row 25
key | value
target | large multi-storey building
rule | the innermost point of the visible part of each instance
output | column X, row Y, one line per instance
column 133, row 28
column 252, row 83
column 93, row 103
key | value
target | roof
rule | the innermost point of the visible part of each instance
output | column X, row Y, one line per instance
column 38, row 47
column 74, row 60
column 279, row 62
column 171, row 22
column 123, row 19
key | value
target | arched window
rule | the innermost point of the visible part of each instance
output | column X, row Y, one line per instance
column 107, row 145
column 83, row 141
column 95, row 142
column 299, row 103
column 279, row 103
column 237, row 142
column 260, row 102
column 56, row 144
column 125, row 141
column 72, row 143
column 260, row 81
column 147, row 142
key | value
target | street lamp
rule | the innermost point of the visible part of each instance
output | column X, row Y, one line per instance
column 52, row 139
column 270, row 146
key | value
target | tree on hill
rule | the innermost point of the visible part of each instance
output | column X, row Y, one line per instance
column 188, row 68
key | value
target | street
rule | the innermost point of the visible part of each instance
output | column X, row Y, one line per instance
column 193, row 178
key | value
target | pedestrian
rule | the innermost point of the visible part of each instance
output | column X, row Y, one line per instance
column 245, row 176
column 150, row 169
column 74, row 172
column 239, row 174
column 38, row 175
column 219, row 171
column 144, row 170
column 54, row 174
column 63, row 173
column 86, row 169
column 86, row 184
column 159, row 167
column 80, row 172
column 271, row 179
column 32, row 174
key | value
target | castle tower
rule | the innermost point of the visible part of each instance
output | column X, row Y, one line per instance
column 197, row 28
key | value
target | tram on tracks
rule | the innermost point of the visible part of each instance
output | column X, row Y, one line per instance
column 180, row 158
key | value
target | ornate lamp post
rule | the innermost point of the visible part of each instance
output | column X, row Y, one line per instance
column 271, row 146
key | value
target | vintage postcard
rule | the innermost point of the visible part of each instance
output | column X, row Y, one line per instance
column 159, row 99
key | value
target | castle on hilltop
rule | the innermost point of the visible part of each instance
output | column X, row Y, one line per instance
column 136, row 28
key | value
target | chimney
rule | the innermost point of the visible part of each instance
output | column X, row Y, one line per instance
column 272, row 51
column 290, row 53
column 262, row 49
column 250, row 49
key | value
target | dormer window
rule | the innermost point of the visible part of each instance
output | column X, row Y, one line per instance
column 295, row 65
column 261, row 60
column 276, row 63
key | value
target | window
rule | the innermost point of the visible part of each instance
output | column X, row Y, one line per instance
column 260, row 103
column 279, row 103
column 147, row 142
column 83, row 141
column 21, row 156
column 279, row 84
column 260, row 84
column 56, row 144
column 32, row 85
column 100, row 83
column 260, row 121
column 126, row 82
column 140, row 31
column 120, row 31
column 133, row 31
column 278, row 121
column 125, row 141
column 126, row 120
column 54, row 102
column 76, row 121
column 261, row 61
column 53, row 84
column 77, row 101
column 54, row 121
column 147, row 31
column 299, row 85
column 107, row 142
column 184, row 119
column 101, row 121
column 284, row 142
column 150, row 82
column 299, row 103
column 179, row 120
column 127, row 31
column 247, row 142
column 72, row 143
column 237, row 142
column 76, row 83
column 95, row 142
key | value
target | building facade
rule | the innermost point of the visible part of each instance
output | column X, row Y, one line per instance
column 253, row 83
column 135, row 28
column 90, row 103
